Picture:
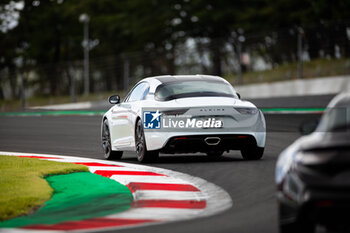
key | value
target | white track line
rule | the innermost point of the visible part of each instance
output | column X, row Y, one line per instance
column 158, row 214
column 147, row 179
column 168, row 195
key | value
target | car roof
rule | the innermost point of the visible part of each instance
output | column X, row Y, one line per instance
column 176, row 78
column 155, row 81
column 341, row 100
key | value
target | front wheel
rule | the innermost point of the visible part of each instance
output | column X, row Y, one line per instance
column 214, row 154
column 299, row 224
column 252, row 153
column 143, row 155
column 106, row 143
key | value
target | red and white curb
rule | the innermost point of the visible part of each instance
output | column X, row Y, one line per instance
column 160, row 196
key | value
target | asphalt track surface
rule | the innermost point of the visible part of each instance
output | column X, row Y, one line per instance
column 249, row 183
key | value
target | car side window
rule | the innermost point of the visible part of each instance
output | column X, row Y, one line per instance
column 139, row 92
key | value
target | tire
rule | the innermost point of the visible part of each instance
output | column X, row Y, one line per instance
column 143, row 155
column 300, row 225
column 109, row 154
column 252, row 153
column 214, row 154
column 297, row 227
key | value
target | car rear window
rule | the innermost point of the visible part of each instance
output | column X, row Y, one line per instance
column 184, row 89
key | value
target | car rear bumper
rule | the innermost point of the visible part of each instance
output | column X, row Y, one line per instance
column 188, row 142
column 208, row 143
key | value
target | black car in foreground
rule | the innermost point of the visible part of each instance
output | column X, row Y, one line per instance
column 313, row 174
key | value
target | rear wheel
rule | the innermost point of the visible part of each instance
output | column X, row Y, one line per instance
column 143, row 155
column 106, row 143
column 252, row 153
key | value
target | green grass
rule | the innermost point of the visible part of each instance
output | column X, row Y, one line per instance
column 313, row 69
column 77, row 196
column 22, row 186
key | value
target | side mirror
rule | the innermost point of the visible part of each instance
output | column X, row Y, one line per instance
column 239, row 95
column 114, row 99
column 308, row 127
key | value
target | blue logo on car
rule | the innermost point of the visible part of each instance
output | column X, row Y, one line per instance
column 152, row 119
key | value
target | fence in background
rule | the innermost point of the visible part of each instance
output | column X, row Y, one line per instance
column 242, row 59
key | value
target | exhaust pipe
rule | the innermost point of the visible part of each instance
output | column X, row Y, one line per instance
column 212, row 141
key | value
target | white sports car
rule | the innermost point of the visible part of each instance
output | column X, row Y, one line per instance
column 182, row 114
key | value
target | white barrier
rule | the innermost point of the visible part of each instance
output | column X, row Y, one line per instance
column 317, row 86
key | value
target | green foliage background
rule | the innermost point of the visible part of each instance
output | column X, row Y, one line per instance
column 48, row 36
